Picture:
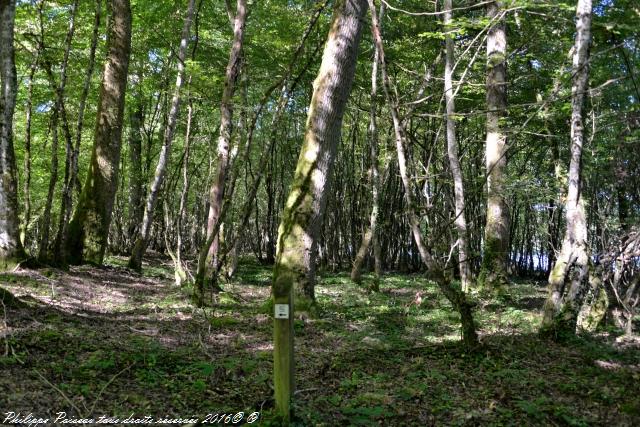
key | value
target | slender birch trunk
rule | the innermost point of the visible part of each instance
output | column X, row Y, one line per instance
column 140, row 247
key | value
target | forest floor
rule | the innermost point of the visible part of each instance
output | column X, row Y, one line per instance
column 107, row 341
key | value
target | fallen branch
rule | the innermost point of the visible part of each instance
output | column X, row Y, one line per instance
column 59, row 391
column 104, row 387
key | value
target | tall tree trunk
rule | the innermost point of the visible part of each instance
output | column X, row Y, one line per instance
column 59, row 112
column 371, row 234
column 11, row 250
column 27, row 151
column 570, row 279
column 179, row 272
column 493, row 272
column 310, row 183
column 135, row 261
column 89, row 227
column 65, row 205
column 436, row 272
column 216, row 193
column 75, row 181
column 452, row 152
column 43, row 244
column 136, row 120
column 73, row 150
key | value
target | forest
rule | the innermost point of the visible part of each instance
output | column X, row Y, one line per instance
column 320, row 212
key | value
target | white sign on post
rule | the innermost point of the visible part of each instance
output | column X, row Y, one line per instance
column 282, row 311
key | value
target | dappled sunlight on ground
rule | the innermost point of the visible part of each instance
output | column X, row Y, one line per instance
column 125, row 342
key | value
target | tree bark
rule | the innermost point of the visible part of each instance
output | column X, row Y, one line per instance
column 89, row 228
column 371, row 234
column 216, row 193
column 75, row 181
column 11, row 250
column 58, row 112
column 27, row 151
column 135, row 261
column 493, row 272
column 452, row 152
column 570, row 279
column 436, row 272
column 73, row 150
column 179, row 272
column 65, row 205
column 136, row 120
column 310, row 183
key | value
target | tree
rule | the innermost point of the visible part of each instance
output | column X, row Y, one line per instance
column 435, row 270
column 452, row 153
column 73, row 151
column 307, row 197
column 570, row 277
column 135, row 261
column 89, row 228
column 495, row 255
column 371, row 234
column 11, row 250
column 216, row 193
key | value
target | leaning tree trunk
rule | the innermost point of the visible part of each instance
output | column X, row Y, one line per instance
column 140, row 247
column 452, row 152
column 436, row 271
column 11, row 250
column 216, row 193
column 493, row 273
column 310, row 183
column 371, row 234
column 89, row 227
column 570, row 279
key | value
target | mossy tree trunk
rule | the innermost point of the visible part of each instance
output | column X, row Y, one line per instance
column 311, row 181
column 570, row 279
column 140, row 247
column 89, row 227
column 11, row 250
column 435, row 270
column 493, row 272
